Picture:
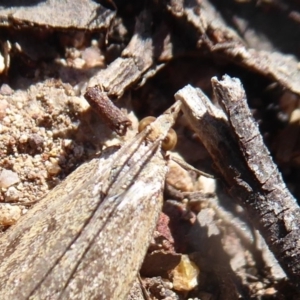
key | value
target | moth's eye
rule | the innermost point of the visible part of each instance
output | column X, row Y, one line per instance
column 145, row 122
column 170, row 140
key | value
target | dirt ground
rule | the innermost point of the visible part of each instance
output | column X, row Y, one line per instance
column 141, row 53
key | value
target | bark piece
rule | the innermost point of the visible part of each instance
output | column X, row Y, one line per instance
column 282, row 68
column 212, row 31
column 136, row 59
column 78, row 14
column 245, row 164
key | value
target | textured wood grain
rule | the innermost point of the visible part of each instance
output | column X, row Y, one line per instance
column 136, row 59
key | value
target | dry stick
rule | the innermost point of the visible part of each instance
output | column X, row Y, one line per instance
column 240, row 155
column 115, row 119
column 88, row 237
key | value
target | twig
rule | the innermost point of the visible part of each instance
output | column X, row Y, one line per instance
column 241, row 157
column 115, row 119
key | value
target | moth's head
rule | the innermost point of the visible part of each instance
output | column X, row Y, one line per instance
column 170, row 139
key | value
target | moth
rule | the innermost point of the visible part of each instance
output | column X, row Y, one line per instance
column 88, row 237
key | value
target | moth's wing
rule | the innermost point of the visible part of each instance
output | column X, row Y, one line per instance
column 55, row 240
column 114, row 241
column 78, row 242
column 30, row 249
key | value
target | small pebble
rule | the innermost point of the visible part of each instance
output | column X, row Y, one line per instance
column 12, row 194
column 52, row 166
column 23, row 138
column 185, row 275
column 179, row 178
column 36, row 142
column 92, row 57
column 3, row 108
column 8, row 178
column 5, row 89
column 9, row 214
